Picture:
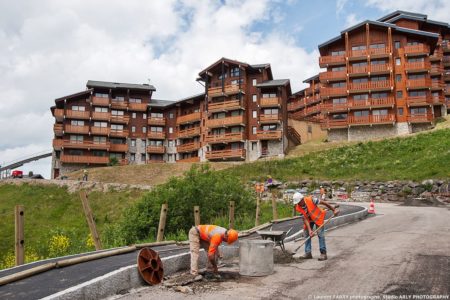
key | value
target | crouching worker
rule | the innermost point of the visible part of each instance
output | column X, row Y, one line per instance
column 209, row 237
column 313, row 217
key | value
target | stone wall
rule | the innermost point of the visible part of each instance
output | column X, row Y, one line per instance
column 338, row 134
column 361, row 133
column 421, row 127
column 275, row 148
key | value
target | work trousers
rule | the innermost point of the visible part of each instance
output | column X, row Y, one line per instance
column 194, row 244
column 320, row 234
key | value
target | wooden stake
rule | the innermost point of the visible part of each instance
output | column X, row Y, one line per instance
column 197, row 215
column 162, row 222
column 258, row 208
column 231, row 215
column 90, row 220
column 20, row 241
column 274, row 206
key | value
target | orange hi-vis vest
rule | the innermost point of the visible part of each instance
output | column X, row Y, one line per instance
column 313, row 214
column 213, row 234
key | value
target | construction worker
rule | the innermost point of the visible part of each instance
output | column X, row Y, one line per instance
column 209, row 237
column 85, row 175
column 313, row 217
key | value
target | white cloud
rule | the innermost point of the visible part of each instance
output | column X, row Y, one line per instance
column 351, row 20
column 340, row 5
column 50, row 48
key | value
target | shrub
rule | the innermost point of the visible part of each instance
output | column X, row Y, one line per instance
column 113, row 161
column 58, row 245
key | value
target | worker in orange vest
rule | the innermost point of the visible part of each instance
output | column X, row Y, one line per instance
column 209, row 237
column 313, row 216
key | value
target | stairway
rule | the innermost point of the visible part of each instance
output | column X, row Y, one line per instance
column 293, row 135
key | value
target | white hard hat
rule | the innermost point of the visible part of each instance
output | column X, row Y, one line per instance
column 297, row 198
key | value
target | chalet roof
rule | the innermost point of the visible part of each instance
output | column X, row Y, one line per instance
column 157, row 103
column 260, row 66
column 118, row 85
column 420, row 19
column 273, row 83
column 235, row 62
column 313, row 78
column 85, row 92
column 401, row 12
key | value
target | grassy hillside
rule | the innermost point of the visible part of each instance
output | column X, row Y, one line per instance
column 417, row 157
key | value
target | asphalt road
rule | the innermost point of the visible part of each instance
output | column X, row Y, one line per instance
column 403, row 251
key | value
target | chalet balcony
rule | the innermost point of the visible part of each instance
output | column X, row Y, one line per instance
column 100, row 101
column 359, row 86
column 137, row 106
column 57, row 144
column 380, row 68
column 437, row 85
column 418, row 101
column 225, row 122
column 157, row 135
column 381, row 85
column 378, row 52
column 269, row 135
column 156, row 121
column 70, row 144
column 229, row 89
column 76, row 129
column 295, row 105
column 332, row 76
column 313, row 100
column 333, row 91
column 331, row 123
column 188, row 133
column 267, row 119
column 446, row 61
column 101, row 116
column 420, row 118
column 437, row 100
column 76, row 114
column 358, row 53
column 59, row 114
column 446, row 47
column 436, row 69
column 58, row 129
column 417, row 66
column 369, row 85
column 189, row 160
column 224, row 105
column 156, row 149
column 118, row 133
column 358, row 69
column 100, row 130
column 225, row 138
column 419, row 49
column 189, row 118
column 330, row 60
column 371, row 119
column 188, row 147
column 312, row 110
column 119, row 105
column 118, row 148
column 418, row 83
column 84, row 159
column 447, row 76
column 335, row 107
column 270, row 102
column 225, row 154
column 120, row 119
column 308, row 91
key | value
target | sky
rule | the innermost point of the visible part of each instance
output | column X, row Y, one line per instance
column 51, row 48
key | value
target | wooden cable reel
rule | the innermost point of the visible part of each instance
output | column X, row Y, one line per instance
column 150, row 266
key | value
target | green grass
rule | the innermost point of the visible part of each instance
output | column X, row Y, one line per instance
column 425, row 155
column 50, row 210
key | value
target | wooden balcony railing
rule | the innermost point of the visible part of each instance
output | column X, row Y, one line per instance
column 446, row 60
column 324, row 76
column 358, row 104
column 294, row 105
column 270, row 102
column 334, row 107
column 58, row 143
column 85, row 145
column 312, row 109
column 418, row 100
column 118, row 148
column 312, row 100
column 119, row 104
column 415, row 49
column 225, row 154
column 371, row 119
column 420, row 118
column 333, row 91
column 330, row 123
column 269, row 118
column 359, row 85
column 378, row 51
column 189, row 160
column 229, row 89
column 102, row 116
column 268, row 135
column 58, row 129
column 137, row 106
column 59, row 113
column 100, row 101
column 75, row 114
column 358, row 69
column 224, row 105
column 188, row 147
column 308, row 91
column 190, row 132
column 236, row 120
column 156, row 121
column 157, row 135
column 358, row 53
column 329, row 60
column 419, row 83
column 119, row 133
column 436, row 69
column 437, row 84
column 120, row 119
column 156, row 149
column 84, row 159
column 76, row 129
column 381, row 84
column 100, row 130
column 380, row 68
column 225, row 138
column 417, row 65
column 189, row 118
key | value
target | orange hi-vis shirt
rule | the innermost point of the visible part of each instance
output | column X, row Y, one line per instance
column 213, row 234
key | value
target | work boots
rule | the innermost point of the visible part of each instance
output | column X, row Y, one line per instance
column 306, row 256
column 323, row 256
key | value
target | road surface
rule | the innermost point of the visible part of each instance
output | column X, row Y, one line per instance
column 403, row 251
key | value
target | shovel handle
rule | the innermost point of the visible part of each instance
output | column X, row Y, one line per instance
column 314, row 232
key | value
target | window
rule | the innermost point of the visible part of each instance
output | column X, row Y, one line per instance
column 435, row 94
column 416, row 76
column 378, row 78
column 156, row 115
column 338, row 84
column 118, row 99
column 100, row 109
column 270, row 127
column 235, row 146
column 418, row 111
column 380, row 112
column 400, row 111
column 116, row 127
column 171, row 115
column 170, row 129
column 133, row 115
column 235, row 129
column 339, row 116
column 76, row 139
column 117, row 112
column 171, row 143
column 396, row 44
column 398, row 62
column 254, row 145
column 412, row 43
column 235, row 113
column 219, row 115
column 78, row 108
column 271, row 111
column 377, row 46
column 398, row 77
column 337, row 69
column 115, row 155
column 359, row 80
column 338, row 53
column 101, row 95
column 77, row 122
column 156, row 129
column 360, row 47
column 378, row 62
column 379, row 95
column 225, row 75
column 309, row 129
column 254, row 98
column 234, row 72
column 269, row 95
column 254, row 129
column 361, row 113
column 143, row 157
column 133, row 143
column 100, row 153
column 135, row 100
column 144, row 143
column 144, row 129
column 416, row 59
column 132, row 157
column 116, row 141
column 133, row 128
column 99, row 139
column 359, row 64
column 144, row 116
column 339, row 100
column 254, row 82
column 417, row 93
column 76, row 152
column 101, row 124
column 255, row 114
column 399, row 94
column 361, row 97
